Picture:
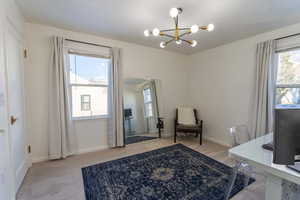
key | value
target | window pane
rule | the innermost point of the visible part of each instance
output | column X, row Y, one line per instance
column 88, row 70
column 148, row 110
column 85, row 107
column 98, row 101
column 85, row 102
column 288, row 96
column 85, row 98
column 289, row 67
column 147, row 95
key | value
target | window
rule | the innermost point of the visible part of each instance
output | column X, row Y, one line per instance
column 288, row 79
column 148, row 102
column 85, row 102
column 89, row 85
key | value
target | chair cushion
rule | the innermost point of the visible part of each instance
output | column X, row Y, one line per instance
column 188, row 127
column 186, row 116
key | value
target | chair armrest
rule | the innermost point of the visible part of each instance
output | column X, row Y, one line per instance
column 199, row 122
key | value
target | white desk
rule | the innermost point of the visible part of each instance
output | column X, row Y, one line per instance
column 253, row 153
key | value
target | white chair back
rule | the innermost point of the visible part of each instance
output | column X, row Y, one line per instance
column 186, row 116
column 240, row 134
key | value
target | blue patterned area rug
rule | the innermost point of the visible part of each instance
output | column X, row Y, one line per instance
column 135, row 139
column 174, row 172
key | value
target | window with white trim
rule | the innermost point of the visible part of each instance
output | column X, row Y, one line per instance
column 89, row 85
column 288, row 78
column 148, row 102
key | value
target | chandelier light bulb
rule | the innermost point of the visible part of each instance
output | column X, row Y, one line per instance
column 174, row 12
column 146, row 33
column 156, row 32
column 210, row 27
column 178, row 42
column 162, row 45
column 195, row 28
column 194, row 43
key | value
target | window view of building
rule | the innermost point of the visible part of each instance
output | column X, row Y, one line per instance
column 288, row 78
column 89, row 85
column 85, row 102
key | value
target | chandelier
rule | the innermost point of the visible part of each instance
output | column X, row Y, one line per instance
column 177, row 34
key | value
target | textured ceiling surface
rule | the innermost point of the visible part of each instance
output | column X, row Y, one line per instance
column 126, row 20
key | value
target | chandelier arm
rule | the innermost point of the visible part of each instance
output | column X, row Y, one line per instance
column 169, row 41
column 186, row 33
column 183, row 29
column 203, row 28
column 170, row 36
column 187, row 41
column 168, row 30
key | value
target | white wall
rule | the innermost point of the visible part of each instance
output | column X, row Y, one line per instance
column 219, row 82
column 138, row 62
column 222, row 83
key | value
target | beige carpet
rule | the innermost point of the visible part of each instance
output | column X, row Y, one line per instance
column 62, row 180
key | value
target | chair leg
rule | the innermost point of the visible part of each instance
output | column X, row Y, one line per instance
column 175, row 134
column 200, row 138
column 201, row 128
column 200, row 133
column 232, row 179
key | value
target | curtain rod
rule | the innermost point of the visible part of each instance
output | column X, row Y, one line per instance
column 287, row 36
column 99, row 45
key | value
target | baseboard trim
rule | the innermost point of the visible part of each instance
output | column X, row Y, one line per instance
column 80, row 151
column 39, row 159
column 217, row 141
column 21, row 172
column 93, row 149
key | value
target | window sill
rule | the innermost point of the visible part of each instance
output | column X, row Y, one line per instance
column 90, row 118
column 288, row 106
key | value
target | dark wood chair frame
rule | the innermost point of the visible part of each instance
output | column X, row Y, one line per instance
column 197, row 129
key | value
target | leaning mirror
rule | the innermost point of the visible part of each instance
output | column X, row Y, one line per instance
column 142, row 109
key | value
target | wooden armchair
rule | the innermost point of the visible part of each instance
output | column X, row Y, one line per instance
column 187, row 121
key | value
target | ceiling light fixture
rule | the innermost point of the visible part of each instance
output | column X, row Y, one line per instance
column 155, row 32
column 178, row 42
column 178, row 32
column 162, row 45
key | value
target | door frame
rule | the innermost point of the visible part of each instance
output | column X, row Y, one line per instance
column 5, row 132
column 10, row 29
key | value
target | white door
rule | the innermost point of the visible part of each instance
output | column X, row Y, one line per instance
column 14, row 70
column 6, row 175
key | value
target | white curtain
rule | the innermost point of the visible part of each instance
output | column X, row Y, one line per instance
column 264, row 100
column 115, row 101
column 154, row 101
column 62, row 140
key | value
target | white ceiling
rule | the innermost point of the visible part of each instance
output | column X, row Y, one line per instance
column 127, row 19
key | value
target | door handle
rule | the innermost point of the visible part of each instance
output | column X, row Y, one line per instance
column 13, row 120
column 2, row 131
